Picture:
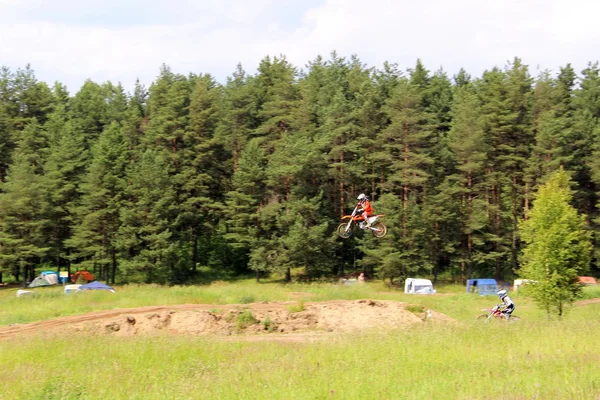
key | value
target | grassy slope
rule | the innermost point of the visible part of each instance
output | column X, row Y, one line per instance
column 533, row 359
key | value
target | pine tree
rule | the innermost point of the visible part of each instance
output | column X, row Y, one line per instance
column 584, row 137
column 202, row 177
column 93, row 244
column 168, row 111
column 277, row 98
column 517, row 141
column 33, row 99
column 342, row 137
column 135, row 118
column 587, row 100
column 88, row 111
column 550, row 123
column 465, row 189
column 387, row 257
column 63, row 172
column 301, row 240
column 116, row 102
column 22, row 205
column 238, row 116
column 243, row 203
column 505, row 105
column 144, row 234
column 437, row 101
column 407, row 140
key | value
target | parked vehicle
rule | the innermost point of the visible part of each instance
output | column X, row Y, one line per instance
column 484, row 287
column 521, row 282
column 418, row 286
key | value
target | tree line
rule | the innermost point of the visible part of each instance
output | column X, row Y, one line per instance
column 253, row 174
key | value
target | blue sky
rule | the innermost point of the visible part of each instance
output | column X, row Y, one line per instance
column 73, row 40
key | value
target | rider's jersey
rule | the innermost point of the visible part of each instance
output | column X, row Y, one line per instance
column 507, row 303
column 366, row 206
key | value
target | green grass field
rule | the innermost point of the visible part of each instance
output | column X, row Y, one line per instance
column 531, row 359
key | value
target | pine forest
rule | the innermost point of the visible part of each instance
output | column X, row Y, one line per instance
column 251, row 176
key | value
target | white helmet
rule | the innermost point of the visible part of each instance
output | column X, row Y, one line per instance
column 502, row 293
column 362, row 197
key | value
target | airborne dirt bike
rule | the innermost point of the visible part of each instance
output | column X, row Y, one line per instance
column 495, row 313
column 377, row 228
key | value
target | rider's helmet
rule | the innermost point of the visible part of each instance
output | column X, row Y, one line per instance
column 502, row 293
column 362, row 197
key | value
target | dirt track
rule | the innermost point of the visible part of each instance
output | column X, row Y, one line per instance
column 589, row 301
column 256, row 320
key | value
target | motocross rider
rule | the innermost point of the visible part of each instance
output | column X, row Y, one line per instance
column 365, row 209
column 507, row 307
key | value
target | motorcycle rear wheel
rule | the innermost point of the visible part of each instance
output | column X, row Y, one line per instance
column 379, row 230
column 344, row 231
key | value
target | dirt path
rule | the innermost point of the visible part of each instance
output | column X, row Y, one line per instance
column 256, row 321
column 589, row 301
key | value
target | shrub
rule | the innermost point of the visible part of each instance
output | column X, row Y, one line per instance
column 245, row 319
column 415, row 308
column 296, row 307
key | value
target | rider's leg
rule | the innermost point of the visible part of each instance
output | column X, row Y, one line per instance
column 366, row 218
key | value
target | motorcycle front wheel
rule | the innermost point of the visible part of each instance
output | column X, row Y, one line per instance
column 344, row 231
column 379, row 230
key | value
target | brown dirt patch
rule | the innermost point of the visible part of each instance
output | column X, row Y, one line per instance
column 584, row 302
column 270, row 320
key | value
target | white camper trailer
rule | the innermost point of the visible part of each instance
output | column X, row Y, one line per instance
column 418, row 286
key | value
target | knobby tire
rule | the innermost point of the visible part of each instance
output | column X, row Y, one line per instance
column 342, row 232
column 379, row 231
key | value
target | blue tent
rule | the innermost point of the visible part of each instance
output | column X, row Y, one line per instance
column 482, row 286
column 95, row 285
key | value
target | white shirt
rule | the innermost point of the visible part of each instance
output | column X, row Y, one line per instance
column 507, row 301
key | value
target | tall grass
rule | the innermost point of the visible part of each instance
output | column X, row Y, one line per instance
column 530, row 359
column 544, row 360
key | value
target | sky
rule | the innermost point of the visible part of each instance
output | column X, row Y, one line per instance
column 120, row 41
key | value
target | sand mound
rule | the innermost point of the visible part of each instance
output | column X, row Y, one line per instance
column 242, row 320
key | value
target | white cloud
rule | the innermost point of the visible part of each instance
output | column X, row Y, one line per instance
column 69, row 41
